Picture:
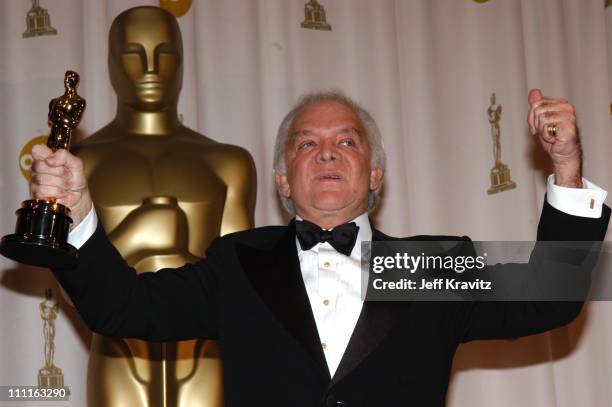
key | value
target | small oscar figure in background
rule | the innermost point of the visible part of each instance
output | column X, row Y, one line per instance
column 314, row 17
column 38, row 22
column 50, row 375
column 500, row 173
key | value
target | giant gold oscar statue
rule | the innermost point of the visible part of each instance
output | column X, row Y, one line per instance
column 162, row 192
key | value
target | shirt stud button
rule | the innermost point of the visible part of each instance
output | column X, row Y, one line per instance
column 327, row 264
column 323, row 345
column 325, row 302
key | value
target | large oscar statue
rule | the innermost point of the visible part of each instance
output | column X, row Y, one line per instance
column 162, row 193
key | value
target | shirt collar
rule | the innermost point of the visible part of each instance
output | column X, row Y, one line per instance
column 363, row 235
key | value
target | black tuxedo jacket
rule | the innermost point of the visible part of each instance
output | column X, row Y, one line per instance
column 248, row 293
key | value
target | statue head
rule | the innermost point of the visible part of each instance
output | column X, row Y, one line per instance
column 71, row 80
column 145, row 58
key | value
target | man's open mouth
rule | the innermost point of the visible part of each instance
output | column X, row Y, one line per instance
column 329, row 177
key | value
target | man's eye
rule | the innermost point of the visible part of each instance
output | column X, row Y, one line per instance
column 305, row 144
column 348, row 143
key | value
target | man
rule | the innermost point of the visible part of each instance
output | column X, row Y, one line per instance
column 286, row 306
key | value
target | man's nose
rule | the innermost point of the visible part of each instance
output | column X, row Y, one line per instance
column 327, row 153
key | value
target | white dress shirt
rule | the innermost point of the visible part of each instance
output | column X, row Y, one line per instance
column 333, row 280
column 333, row 284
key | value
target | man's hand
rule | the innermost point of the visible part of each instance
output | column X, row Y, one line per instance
column 564, row 148
column 60, row 175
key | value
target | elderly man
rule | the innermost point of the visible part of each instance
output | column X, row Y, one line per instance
column 283, row 300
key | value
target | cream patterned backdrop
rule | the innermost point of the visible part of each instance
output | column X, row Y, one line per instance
column 426, row 70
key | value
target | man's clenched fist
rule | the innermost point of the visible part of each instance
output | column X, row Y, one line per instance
column 60, row 175
column 564, row 148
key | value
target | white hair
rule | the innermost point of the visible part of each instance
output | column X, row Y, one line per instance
column 378, row 157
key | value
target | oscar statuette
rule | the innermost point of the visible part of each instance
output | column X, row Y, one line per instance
column 41, row 232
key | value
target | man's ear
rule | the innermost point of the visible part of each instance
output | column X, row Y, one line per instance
column 376, row 176
column 281, row 184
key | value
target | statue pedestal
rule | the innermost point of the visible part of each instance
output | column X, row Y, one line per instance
column 314, row 17
column 38, row 22
column 500, row 179
column 50, row 377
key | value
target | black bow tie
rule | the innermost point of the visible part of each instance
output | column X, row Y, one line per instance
column 342, row 237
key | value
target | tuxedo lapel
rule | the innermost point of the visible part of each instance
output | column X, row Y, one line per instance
column 376, row 320
column 275, row 275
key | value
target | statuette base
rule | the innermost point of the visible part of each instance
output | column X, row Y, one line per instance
column 500, row 179
column 41, row 235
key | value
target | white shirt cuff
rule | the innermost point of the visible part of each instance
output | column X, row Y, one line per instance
column 587, row 201
column 84, row 230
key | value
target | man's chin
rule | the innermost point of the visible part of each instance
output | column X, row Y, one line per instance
column 330, row 201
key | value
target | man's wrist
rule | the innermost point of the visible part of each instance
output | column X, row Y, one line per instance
column 568, row 175
column 84, row 230
column 586, row 201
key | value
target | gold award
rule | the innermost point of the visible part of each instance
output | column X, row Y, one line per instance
column 38, row 22
column 41, row 233
column 500, row 173
column 314, row 17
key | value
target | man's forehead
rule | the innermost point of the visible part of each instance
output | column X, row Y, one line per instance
column 327, row 115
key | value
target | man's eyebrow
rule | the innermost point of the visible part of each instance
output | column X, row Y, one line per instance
column 352, row 130
column 301, row 133
column 346, row 130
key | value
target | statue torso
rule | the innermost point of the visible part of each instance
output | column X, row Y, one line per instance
column 123, row 170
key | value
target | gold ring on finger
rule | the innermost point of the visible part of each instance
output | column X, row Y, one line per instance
column 551, row 128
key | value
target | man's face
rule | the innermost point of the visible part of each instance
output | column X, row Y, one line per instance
column 328, row 164
column 145, row 60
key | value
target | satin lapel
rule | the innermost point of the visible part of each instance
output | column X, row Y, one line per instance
column 275, row 274
column 376, row 320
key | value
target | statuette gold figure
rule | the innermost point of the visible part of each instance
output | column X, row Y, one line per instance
column 65, row 113
column 41, row 232
column 500, row 173
column 50, row 375
column 162, row 192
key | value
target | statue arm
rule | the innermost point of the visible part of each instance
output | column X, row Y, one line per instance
column 78, row 112
column 146, row 220
column 240, row 177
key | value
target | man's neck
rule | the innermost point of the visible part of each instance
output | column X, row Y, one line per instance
column 331, row 221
